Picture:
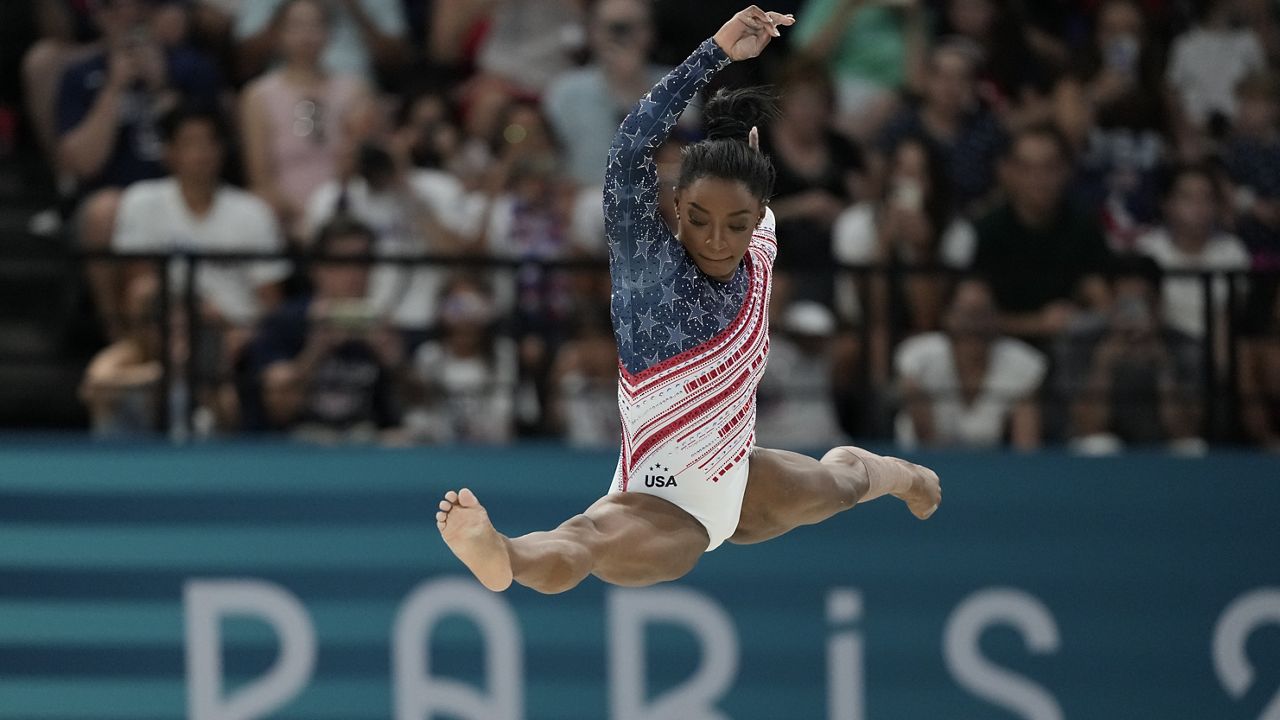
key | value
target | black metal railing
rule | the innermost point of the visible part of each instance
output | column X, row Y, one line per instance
column 1219, row 385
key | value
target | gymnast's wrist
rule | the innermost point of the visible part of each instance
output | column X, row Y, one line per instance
column 719, row 54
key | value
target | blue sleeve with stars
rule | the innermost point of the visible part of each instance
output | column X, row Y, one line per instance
column 631, row 179
column 662, row 304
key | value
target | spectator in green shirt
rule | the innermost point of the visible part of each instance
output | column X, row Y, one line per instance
column 872, row 48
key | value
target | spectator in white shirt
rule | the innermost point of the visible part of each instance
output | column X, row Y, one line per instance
column 968, row 386
column 194, row 211
column 1205, row 64
column 1191, row 240
column 468, row 377
column 797, row 407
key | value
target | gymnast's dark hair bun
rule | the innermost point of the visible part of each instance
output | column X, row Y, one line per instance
column 730, row 114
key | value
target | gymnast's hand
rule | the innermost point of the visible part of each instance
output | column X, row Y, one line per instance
column 746, row 35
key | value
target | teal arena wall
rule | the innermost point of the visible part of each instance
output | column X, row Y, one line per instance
column 1047, row 586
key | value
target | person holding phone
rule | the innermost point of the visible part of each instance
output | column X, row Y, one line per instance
column 952, row 113
column 108, row 111
column 326, row 365
column 108, row 104
column 914, row 231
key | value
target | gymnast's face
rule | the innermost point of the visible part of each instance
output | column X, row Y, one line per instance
column 714, row 221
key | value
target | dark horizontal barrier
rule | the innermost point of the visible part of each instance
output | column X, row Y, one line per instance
column 1216, row 391
column 475, row 260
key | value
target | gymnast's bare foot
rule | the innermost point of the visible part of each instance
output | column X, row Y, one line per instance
column 915, row 485
column 466, row 529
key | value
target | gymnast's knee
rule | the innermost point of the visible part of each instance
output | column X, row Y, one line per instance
column 580, row 528
column 846, row 482
column 573, row 561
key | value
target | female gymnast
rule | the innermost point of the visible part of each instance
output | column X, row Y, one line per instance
column 690, row 319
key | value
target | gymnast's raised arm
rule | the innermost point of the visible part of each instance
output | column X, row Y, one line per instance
column 632, row 221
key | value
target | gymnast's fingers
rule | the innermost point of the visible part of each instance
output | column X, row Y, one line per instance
column 777, row 18
column 761, row 19
column 752, row 23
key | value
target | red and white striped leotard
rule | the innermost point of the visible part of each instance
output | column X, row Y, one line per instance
column 692, row 349
column 688, row 423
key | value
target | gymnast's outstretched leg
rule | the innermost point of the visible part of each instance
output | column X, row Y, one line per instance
column 629, row 539
column 786, row 490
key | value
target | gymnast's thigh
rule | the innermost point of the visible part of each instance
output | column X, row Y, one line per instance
column 643, row 539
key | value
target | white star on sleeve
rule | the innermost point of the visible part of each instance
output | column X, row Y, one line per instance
column 622, row 193
column 647, row 323
column 696, row 311
column 676, row 336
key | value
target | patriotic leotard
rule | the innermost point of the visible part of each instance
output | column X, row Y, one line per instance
column 691, row 349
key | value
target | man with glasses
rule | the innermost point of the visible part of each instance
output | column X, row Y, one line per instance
column 326, row 366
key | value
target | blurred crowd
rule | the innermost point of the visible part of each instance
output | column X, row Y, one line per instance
column 990, row 214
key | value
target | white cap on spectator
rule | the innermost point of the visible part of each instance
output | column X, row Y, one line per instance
column 806, row 317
